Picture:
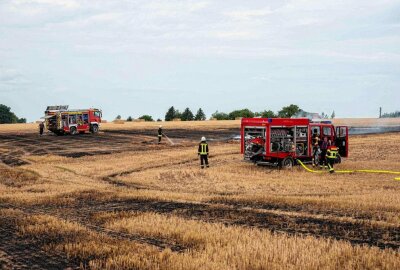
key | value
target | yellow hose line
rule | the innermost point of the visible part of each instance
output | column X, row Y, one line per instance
column 308, row 169
column 378, row 171
column 351, row 171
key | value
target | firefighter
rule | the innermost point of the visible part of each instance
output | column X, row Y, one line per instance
column 160, row 134
column 203, row 152
column 324, row 148
column 331, row 155
column 315, row 145
column 41, row 128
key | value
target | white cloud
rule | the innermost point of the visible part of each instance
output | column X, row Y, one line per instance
column 248, row 14
column 69, row 4
column 237, row 35
column 173, row 9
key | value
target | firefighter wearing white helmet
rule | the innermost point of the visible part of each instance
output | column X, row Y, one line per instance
column 160, row 133
column 203, row 153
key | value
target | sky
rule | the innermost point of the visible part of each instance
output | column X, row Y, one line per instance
column 132, row 58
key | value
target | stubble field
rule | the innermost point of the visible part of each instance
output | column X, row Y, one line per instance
column 118, row 200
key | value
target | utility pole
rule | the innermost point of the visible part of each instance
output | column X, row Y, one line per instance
column 380, row 112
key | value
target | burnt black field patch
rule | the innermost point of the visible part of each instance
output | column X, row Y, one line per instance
column 12, row 160
column 27, row 253
column 108, row 142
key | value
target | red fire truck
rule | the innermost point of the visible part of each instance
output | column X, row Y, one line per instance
column 60, row 120
column 280, row 141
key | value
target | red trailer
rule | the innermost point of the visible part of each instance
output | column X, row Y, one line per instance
column 280, row 141
column 60, row 120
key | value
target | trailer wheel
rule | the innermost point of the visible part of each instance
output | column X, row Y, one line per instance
column 95, row 129
column 287, row 163
column 73, row 131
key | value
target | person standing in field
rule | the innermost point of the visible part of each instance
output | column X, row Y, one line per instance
column 160, row 134
column 315, row 147
column 331, row 155
column 41, row 128
column 203, row 153
column 324, row 148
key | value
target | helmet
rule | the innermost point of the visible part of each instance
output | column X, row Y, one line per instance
column 203, row 139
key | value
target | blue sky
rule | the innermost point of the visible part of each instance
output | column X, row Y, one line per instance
column 141, row 57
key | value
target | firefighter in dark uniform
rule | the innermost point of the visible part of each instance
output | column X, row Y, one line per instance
column 160, row 134
column 324, row 148
column 315, row 147
column 41, row 128
column 203, row 153
column 331, row 155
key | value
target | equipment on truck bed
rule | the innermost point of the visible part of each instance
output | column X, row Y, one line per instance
column 60, row 120
column 280, row 141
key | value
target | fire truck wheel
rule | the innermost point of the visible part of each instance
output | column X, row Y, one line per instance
column 338, row 159
column 287, row 163
column 95, row 129
column 73, row 131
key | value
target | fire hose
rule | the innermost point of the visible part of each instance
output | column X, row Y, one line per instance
column 352, row 171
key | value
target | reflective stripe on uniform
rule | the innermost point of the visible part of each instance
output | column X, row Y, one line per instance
column 203, row 148
column 331, row 153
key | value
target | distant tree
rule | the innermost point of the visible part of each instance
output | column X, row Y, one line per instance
column 187, row 115
column 129, row 119
column 266, row 114
column 333, row 115
column 7, row 116
column 241, row 113
column 171, row 114
column 220, row 116
column 118, row 117
column 159, row 120
column 21, row 120
column 178, row 115
column 200, row 116
column 289, row 111
column 147, row 118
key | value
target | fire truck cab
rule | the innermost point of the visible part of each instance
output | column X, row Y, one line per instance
column 60, row 120
column 281, row 141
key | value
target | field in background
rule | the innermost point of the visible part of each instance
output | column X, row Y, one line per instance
column 120, row 201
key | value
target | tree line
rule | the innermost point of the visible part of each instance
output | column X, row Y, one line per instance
column 186, row 115
column 8, row 117
column 391, row 115
column 285, row 112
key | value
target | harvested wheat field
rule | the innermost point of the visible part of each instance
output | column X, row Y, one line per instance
column 118, row 200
